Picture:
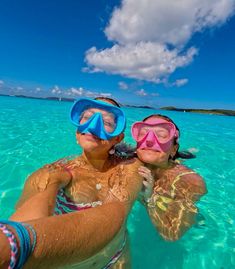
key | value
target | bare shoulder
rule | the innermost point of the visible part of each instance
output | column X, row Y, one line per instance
column 129, row 169
column 189, row 180
column 50, row 174
column 131, row 165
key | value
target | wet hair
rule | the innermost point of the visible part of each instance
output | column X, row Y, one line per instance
column 110, row 100
column 179, row 154
column 125, row 151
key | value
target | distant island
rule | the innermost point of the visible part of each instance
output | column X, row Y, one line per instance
column 64, row 99
column 224, row 112
column 148, row 107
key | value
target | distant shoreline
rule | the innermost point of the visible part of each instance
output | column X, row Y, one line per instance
column 225, row 112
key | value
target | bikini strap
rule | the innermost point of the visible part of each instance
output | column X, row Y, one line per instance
column 177, row 178
column 183, row 174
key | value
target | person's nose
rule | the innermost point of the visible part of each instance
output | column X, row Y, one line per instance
column 149, row 143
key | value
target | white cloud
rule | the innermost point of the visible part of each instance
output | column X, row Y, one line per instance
column 105, row 94
column 56, row 90
column 122, row 85
column 90, row 94
column 79, row 92
column 75, row 92
column 168, row 21
column 143, row 30
column 38, row 89
column 96, row 94
column 145, row 60
column 180, row 82
column 141, row 92
column 1, row 82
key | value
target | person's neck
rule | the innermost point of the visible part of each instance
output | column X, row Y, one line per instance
column 160, row 167
column 97, row 161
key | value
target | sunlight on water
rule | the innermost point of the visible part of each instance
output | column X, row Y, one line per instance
column 36, row 132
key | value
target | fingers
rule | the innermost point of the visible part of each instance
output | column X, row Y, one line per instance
column 147, row 175
column 144, row 169
column 147, row 188
column 147, row 184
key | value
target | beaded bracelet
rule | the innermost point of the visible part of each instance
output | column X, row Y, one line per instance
column 149, row 202
column 26, row 247
column 13, row 245
column 34, row 236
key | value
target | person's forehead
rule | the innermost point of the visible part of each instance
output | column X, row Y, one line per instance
column 156, row 120
column 94, row 109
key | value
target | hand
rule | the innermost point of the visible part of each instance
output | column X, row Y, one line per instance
column 148, row 182
column 58, row 173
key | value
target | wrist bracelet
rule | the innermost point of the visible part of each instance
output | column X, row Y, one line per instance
column 150, row 202
column 24, row 248
column 13, row 245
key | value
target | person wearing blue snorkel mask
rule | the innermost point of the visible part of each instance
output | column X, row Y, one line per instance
column 95, row 178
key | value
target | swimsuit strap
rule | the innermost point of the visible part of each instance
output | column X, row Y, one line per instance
column 184, row 173
column 65, row 204
column 118, row 254
column 177, row 178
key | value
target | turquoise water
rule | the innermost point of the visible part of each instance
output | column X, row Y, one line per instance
column 35, row 132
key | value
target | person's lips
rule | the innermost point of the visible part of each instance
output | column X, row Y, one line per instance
column 150, row 149
column 91, row 137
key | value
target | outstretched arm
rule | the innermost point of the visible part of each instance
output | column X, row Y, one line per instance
column 44, row 184
column 70, row 238
column 174, row 212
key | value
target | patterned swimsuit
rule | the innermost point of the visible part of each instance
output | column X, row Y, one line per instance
column 65, row 205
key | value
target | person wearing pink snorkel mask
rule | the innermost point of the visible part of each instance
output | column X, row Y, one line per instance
column 171, row 189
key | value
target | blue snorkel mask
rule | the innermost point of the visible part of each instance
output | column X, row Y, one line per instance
column 95, row 124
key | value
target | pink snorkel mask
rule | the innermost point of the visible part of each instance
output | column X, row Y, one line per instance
column 155, row 134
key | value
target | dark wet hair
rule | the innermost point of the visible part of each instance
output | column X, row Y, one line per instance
column 112, row 101
column 179, row 154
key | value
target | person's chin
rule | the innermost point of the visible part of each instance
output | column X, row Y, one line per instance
column 148, row 155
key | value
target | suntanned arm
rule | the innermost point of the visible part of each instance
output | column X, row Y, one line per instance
column 70, row 238
column 173, row 216
column 128, row 185
column 134, row 180
column 44, row 184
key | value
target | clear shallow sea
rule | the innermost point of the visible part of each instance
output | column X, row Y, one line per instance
column 35, row 132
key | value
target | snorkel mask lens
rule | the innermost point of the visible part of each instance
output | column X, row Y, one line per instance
column 156, row 132
column 99, row 118
column 163, row 132
column 109, row 120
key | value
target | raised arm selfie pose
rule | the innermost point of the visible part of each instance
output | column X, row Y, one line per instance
column 96, row 177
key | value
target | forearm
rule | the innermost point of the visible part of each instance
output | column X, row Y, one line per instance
column 71, row 238
column 172, row 208
column 40, row 205
column 173, row 221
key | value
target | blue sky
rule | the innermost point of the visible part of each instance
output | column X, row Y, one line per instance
column 158, row 53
